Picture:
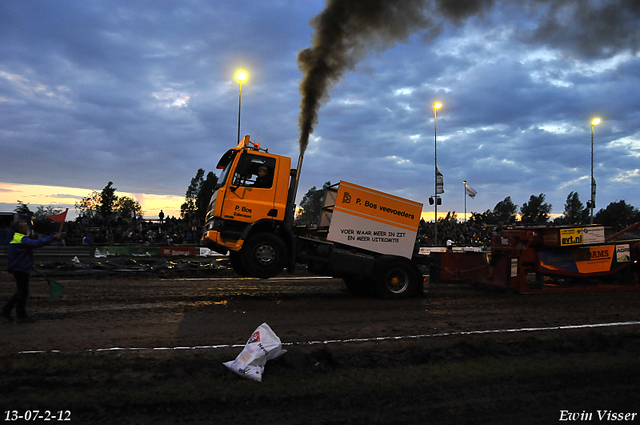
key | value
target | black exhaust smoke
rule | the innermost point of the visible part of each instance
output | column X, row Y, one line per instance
column 346, row 30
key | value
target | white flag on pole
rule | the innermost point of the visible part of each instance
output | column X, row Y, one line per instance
column 470, row 191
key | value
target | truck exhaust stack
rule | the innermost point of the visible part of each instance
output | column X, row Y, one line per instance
column 293, row 191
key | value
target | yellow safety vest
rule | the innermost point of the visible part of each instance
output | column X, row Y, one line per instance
column 17, row 238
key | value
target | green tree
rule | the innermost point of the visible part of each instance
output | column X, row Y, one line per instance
column 125, row 206
column 198, row 195
column 485, row 217
column 311, row 206
column 89, row 206
column 108, row 201
column 107, row 204
column 574, row 211
column 505, row 212
column 204, row 195
column 536, row 211
column 23, row 208
column 189, row 206
column 618, row 215
column 451, row 217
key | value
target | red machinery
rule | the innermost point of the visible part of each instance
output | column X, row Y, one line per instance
column 532, row 260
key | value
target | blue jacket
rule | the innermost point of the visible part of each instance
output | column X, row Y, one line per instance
column 20, row 252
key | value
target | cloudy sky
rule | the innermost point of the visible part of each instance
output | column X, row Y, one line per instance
column 142, row 93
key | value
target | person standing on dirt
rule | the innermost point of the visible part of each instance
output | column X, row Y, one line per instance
column 20, row 256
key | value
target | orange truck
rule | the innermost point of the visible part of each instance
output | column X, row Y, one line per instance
column 364, row 236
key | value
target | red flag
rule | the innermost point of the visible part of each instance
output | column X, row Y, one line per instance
column 60, row 218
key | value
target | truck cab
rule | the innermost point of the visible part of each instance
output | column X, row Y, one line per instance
column 251, row 199
column 365, row 237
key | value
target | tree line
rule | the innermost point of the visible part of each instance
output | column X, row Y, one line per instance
column 103, row 206
column 106, row 205
column 617, row 215
column 535, row 212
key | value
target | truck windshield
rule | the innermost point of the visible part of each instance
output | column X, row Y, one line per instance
column 226, row 161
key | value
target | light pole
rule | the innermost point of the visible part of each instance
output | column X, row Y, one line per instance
column 436, row 106
column 241, row 76
column 465, row 200
column 592, row 203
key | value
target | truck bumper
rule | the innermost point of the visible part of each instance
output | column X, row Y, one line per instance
column 213, row 240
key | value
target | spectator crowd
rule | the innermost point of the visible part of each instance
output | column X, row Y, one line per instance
column 136, row 231
column 187, row 231
column 179, row 231
column 455, row 233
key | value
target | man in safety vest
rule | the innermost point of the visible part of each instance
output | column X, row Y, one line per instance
column 20, row 256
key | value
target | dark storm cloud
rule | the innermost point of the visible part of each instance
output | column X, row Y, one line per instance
column 132, row 86
column 345, row 32
column 590, row 28
column 142, row 93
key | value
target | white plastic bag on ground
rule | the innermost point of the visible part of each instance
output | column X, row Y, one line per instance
column 263, row 345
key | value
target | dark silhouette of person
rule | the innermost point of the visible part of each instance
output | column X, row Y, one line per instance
column 20, row 256
column 264, row 179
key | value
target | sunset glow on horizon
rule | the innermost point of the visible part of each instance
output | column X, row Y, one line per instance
column 66, row 197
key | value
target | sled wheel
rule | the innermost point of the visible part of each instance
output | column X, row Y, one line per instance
column 396, row 279
column 263, row 255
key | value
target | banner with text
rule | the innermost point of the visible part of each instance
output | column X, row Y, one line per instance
column 593, row 259
column 375, row 221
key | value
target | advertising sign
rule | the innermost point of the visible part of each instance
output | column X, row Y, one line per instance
column 593, row 235
column 375, row 221
column 174, row 251
column 623, row 253
column 578, row 236
column 571, row 236
column 593, row 259
column 118, row 250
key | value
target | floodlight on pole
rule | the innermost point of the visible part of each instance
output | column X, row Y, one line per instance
column 241, row 76
column 592, row 202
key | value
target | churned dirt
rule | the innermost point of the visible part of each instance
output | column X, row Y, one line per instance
column 148, row 348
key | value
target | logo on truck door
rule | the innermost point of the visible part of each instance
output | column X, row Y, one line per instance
column 385, row 208
column 242, row 211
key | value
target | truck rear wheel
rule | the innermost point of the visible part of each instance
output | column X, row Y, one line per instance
column 263, row 255
column 396, row 279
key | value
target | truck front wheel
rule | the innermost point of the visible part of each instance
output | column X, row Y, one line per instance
column 396, row 279
column 263, row 255
column 236, row 263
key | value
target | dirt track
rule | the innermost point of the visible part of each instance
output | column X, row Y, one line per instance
column 329, row 333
